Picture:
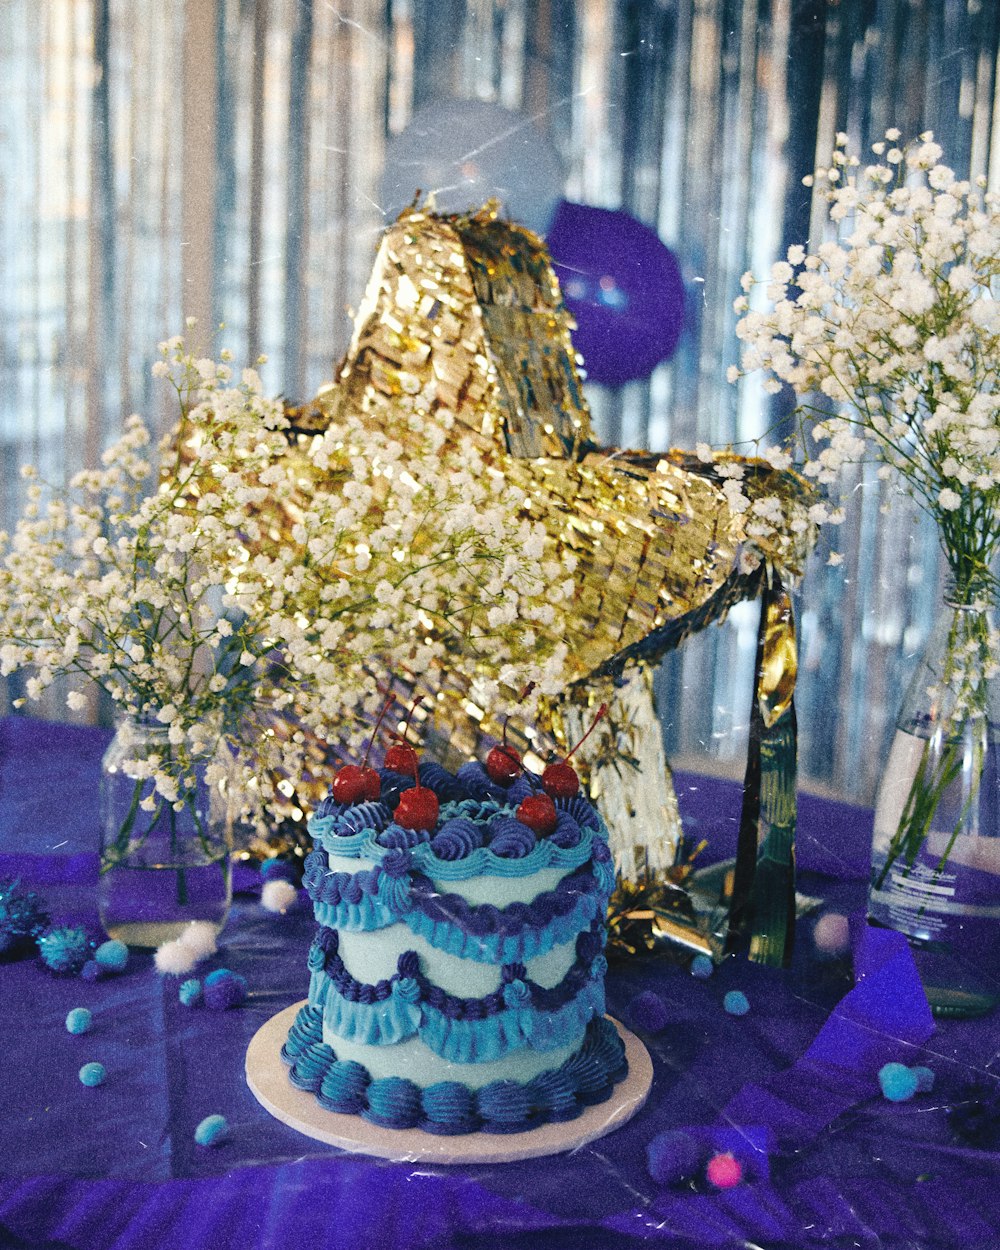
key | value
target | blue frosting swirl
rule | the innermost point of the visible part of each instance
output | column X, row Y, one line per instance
column 393, row 1102
column 344, row 1087
column 445, row 785
column 520, row 788
column 448, row 1108
column 457, row 838
column 567, row 832
column 504, row 1107
column 510, row 839
column 554, row 1094
column 393, row 785
column 398, row 838
column 310, row 1067
column 478, row 783
column 581, row 809
column 306, row 1030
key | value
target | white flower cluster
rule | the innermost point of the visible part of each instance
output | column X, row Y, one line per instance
column 890, row 335
column 245, row 575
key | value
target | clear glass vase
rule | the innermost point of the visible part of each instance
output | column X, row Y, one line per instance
column 163, row 863
column 936, row 848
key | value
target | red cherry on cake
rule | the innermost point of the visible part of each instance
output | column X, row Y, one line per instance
column 559, row 779
column 417, row 809
column 401, row 758
column 538, row 812
column 503, row 764
column 356, row 784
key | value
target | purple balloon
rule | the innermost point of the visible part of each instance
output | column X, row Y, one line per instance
column 623, row 286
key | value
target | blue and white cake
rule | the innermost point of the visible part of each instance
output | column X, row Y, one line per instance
column 457, row 974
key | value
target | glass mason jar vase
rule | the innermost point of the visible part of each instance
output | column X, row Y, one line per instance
column 936, row 848
column 163, row 864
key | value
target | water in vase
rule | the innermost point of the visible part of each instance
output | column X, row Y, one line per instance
column 945, row 897
column 149, row 905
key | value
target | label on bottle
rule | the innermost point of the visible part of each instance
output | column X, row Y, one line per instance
column 950, row 893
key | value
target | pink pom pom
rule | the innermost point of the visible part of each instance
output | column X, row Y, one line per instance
column 832, row 933
column 724, row 1171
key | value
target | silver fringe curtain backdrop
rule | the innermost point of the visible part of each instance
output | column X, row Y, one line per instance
column 222, row 158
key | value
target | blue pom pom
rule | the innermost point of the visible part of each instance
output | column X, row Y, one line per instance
column 91, row 971
column 64, row 950
column 223, row 989
column 92, row 1074
column 648, row 1012
column 79, row 1020
column 736, row 1003
column 898, row 1082
column 190, row 992
column 673, row 1157
column 212, row 1131
column 702, row 967
column 112, row 955
column 925, row 1079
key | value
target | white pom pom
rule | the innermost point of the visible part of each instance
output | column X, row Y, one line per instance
column 832, row 933
column 174, row 958
column 199, row 938
column 278, row 895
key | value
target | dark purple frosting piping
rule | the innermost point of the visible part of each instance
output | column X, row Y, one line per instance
column 487, row 919
column 588, row 945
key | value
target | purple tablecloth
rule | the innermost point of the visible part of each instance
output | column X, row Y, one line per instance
column 117, row 1166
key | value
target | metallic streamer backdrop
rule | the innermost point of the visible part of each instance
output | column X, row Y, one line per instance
column 698, row 116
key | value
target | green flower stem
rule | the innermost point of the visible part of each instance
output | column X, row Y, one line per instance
column 182, row 888
column 123, row 838
column 934, row 778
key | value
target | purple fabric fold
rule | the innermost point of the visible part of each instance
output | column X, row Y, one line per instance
column 879, row 1021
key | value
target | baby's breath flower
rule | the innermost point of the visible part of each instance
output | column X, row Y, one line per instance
column 893, row 339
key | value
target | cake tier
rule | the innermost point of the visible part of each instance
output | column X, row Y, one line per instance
column 520, row 1014
column 560, row 1092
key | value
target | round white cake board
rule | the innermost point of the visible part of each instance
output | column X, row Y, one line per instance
column 267, row 1076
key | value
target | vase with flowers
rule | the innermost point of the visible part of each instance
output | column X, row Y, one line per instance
column 240, row 594
column 889, row 334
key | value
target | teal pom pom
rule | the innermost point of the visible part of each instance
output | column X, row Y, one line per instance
column 190, row 992
column 92, row 1074
column 702, row 967
column 673, row 1157
column 212, row 1131
column 736, row 1003
column 925, row 1079
column 898, row 1082
column 112, row 955
column 224, row 989
column 64, row 950
column 79, row 1020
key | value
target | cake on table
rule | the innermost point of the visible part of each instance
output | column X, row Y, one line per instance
column 457, row 972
